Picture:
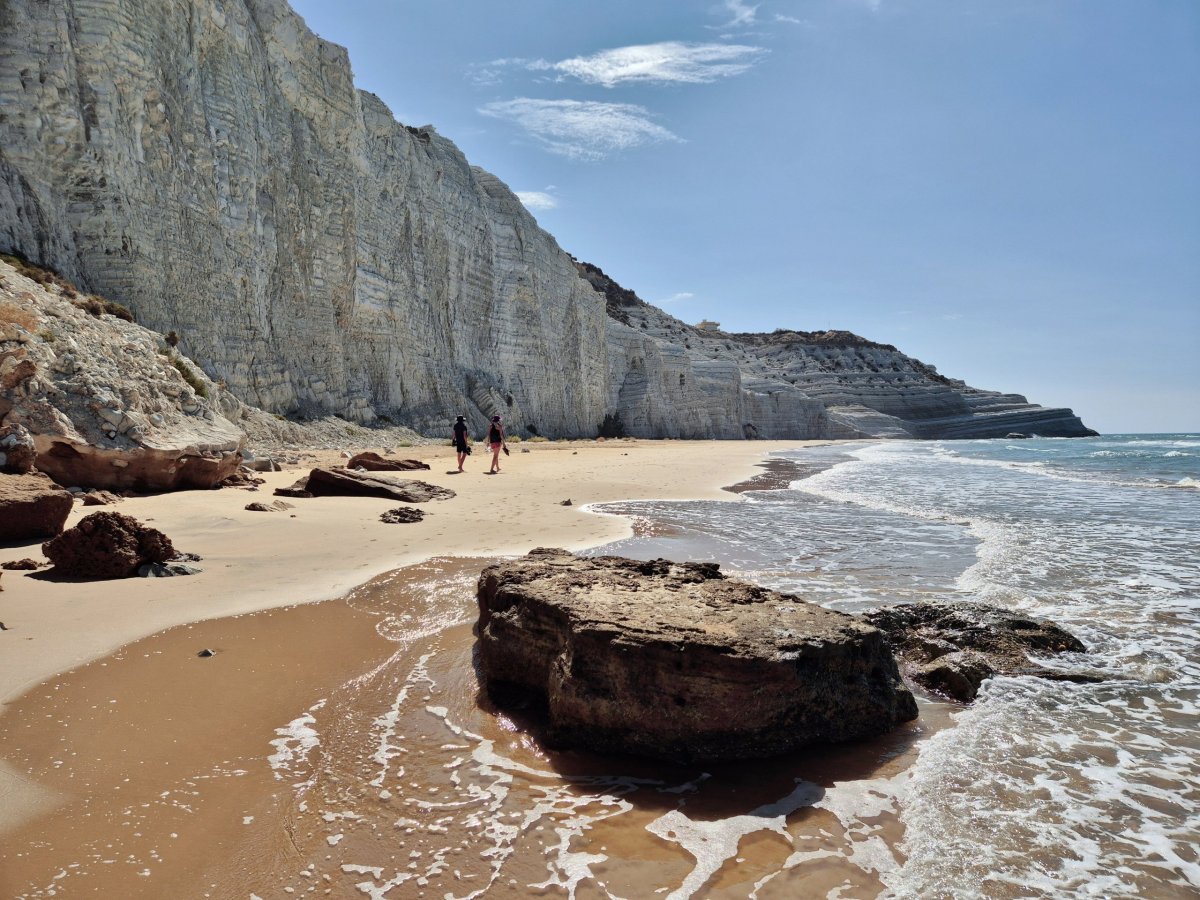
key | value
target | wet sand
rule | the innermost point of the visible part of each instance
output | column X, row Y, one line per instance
column 342, row 748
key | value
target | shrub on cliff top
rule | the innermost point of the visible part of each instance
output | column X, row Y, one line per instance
column 43, row 275
column 98, row 306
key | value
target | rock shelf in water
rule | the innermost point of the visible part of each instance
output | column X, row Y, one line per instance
column 952, row 648
column 674, row 661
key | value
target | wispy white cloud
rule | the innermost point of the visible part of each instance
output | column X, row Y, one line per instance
column 581, row 129
column 493, row 72
column 665, row 62
column 743, row 14
column 790, row 20
column 537, row 200
column 677, row 298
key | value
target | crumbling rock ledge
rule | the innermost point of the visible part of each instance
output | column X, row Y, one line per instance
column 952, row 648
column 674, row 661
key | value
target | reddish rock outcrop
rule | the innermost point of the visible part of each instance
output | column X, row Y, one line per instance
column 21, row 565
column 373, row 462
column 339, row 482
column 31, row 506
column 952, row 648
column 107, row 545
column 674, row 661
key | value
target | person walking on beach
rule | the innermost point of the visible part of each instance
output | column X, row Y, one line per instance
column 496, row 442
column 460, row 441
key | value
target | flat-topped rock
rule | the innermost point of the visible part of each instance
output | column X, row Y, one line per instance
column 340, row 482
column 952, row 648
column 674, row 661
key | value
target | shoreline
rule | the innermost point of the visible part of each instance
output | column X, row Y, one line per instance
column 320, row 549
column 324, row 549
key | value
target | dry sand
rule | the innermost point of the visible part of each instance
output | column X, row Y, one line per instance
column 324, row 547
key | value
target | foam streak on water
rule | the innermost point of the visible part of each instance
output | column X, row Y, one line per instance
column 1047, row 787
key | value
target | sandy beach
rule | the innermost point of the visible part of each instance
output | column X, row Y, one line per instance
column 324, row 547
column 321, row 549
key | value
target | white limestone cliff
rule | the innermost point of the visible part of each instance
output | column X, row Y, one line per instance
column 670, row 379
column 211, row 165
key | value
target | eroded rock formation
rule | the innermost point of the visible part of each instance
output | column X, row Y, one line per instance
column 673, row 661
column 108, row 404
column 339, row 482
column 952, row 648
column 107, row 545
column 670, row 379
column 18, row 452
column 212, row 166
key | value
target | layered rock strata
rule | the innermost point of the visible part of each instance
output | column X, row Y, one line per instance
column 952, row 648
column 212, row 166
column 674, row 661
column 671, row 379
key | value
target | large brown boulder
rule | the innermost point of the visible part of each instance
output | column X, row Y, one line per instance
column 31, row 506
column 373, row 462
column 952, row 648
column 674, row 661
column 107, row 545
column 339, row 482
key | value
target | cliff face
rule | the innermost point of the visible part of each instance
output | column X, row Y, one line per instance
column 210, row 164
column 670, row 379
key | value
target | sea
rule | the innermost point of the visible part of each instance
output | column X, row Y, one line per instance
column 404, row 782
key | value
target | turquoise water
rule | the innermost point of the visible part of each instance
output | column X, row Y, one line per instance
column 1039, row 788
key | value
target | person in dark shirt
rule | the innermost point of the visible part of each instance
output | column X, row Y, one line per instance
column 460, row 441
column 495, row 442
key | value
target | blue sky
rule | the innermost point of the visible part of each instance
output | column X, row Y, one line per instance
column 1006, row 189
